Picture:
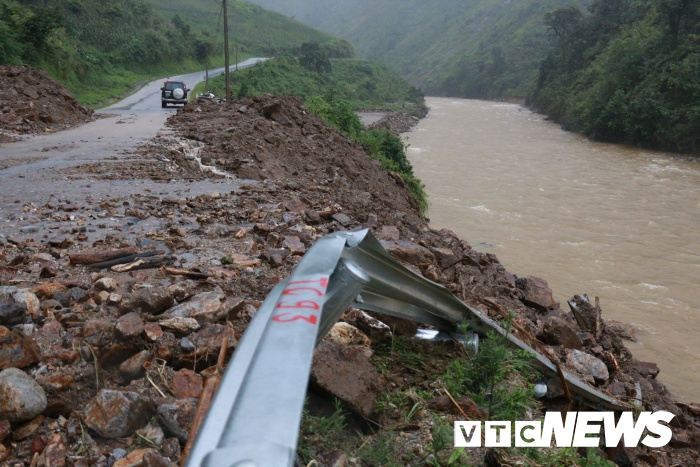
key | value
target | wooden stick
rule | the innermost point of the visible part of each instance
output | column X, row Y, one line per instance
column 143, row 263
column 101, row 256
column 186, row 273
column 459, row 407
column 210, row 387
column 125, row 259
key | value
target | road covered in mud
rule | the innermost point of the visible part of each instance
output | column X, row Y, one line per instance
column 130, row 254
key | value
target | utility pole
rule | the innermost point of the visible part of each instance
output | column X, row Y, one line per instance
column 226, row 63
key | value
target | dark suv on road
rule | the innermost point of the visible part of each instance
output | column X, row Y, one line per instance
column 173, row 92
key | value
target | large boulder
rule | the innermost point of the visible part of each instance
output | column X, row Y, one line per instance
column 116, row 414
column 21, row 398
column 536, row 293
column 345, row 371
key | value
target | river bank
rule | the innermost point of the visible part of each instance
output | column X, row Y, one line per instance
column 608, row 220
column 119, row 354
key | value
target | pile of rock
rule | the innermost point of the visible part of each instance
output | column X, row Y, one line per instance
column 33, row 102
column 396, row 122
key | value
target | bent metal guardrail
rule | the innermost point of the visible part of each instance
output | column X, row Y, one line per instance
column 255, row 416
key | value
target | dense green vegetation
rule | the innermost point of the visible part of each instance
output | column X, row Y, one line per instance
column 626, row 71
column 252, row 29
column 467, row 48
column 103, row 49
column 363, row 83
column 498, row 379
column 97, row 49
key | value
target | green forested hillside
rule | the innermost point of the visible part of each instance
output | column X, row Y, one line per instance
column 471, row 48
column 256, row 30
column 102, row 49
column 626, row 71
column 362, row 83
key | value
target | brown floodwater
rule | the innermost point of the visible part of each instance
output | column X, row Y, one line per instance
column 611, row 221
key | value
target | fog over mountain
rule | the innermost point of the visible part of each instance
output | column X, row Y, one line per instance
column 472, row 48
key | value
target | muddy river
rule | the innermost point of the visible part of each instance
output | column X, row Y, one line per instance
column 610, row 221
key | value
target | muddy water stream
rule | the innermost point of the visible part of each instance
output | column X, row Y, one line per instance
column 610, row 221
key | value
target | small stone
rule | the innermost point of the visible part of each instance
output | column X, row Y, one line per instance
column 42, row 258
column 54, row 455
column 410, row 252
column 177, row 417
column 445, row 257
column 29, row 300
column 275, row 256
column 17, row 349
column 342, row 219
column 389, row 232
column 186, row 383
column 153, row 433
column 133, row 368
column 134, row 458
column 209, row 339
column 294, row 244
column 116, row 414
column 205, row 306
column 183, row 325
column 151, row 300
column 12, row 313
column 344, row 333
column 48, row 289
column 617, row 389
column 56, row 382
column 372, row 327
column 346, row 372
column 21, row 398
column 557, row 332
column 102, row 297
column 647, row 369
column 60, row 242
column 153, row 331
column 537, row 293
column 119, row 453
column 186, row 345
column 114, row 299
column 171, row 448
column 106, row 284
column 372, row 221
column 26, row 430
column 5, row 429
column 130, row 325
column 587, row 364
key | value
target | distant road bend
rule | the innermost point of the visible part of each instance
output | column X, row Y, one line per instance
column 35, row 164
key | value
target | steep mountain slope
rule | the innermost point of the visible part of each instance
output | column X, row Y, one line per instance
column 254, row 28
column 101, row 49
column 474, row 48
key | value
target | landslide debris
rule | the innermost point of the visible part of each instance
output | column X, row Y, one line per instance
column 33, row 102
column 396, row 122
column 120, row 355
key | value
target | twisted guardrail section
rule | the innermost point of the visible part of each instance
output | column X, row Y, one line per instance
column 255, row 416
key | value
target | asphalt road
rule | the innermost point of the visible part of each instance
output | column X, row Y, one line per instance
column 147, row 99
column 38, row 168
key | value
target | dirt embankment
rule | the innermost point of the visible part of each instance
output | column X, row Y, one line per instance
column 133, row 344
column 33, row 102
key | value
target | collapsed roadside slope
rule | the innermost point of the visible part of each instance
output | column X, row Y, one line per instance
column 133, row 343
column 33, row 102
